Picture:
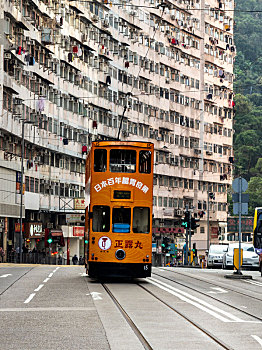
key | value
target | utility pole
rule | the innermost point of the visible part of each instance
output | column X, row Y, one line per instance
column 208, row 233
column 186, row 216
column 24, row 121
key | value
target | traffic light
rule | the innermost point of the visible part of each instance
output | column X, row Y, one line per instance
column 175, row 251
column 185, row 221
column 194, row 223
column 194, row 250
column 165, row 244
column 50, row 239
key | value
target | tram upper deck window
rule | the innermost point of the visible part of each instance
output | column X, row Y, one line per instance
column 145, row 162
column 101, row 218
column 122, row 161
column 100, row 158
column 121, row 218
column 141, row 220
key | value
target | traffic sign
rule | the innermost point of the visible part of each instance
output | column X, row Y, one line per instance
column 240, row 184
column 240, row 208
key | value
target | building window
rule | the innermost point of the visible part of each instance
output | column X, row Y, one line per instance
column 202, row 229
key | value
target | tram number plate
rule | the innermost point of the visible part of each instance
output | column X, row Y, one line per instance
column 145, row 267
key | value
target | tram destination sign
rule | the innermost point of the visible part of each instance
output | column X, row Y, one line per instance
column 246, row 224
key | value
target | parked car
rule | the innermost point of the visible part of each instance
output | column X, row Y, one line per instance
column 215, row 255
column 250, row 257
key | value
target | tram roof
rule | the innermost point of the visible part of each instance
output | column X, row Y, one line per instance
column 122, row 143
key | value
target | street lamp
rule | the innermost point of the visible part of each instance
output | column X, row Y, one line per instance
column 24, row 121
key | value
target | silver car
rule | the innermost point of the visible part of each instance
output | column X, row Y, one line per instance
column 250, row 257
column 215, row 255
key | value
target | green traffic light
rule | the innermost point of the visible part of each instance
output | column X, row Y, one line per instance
column 86, row 241
column 184, row 224
column 49, row 240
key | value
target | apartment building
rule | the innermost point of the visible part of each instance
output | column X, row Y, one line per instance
column 71, row 71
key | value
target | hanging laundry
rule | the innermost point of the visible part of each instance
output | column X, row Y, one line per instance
column 108, row 80
column 80, row 52
column 19, row 50
column 27, row 59
column 126, row 64
column 227, row 27
column 41, row 104
column 70, row 57
column 173, row 41
column 31, row 61
column 233, row 104
column 75, row 49
column 221, row 73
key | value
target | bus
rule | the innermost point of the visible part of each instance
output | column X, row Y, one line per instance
column 257, row 234
column 119, row 188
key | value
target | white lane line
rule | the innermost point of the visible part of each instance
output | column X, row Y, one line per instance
column 56, row 269
column 217, row 290
column 38, row 288
column 256, row 283
column 46, row 280
column 29, row 298
column 6, row 275
column 259, row 340
column 211, row 309
column 50, row 274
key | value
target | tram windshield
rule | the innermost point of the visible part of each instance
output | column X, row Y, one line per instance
column 121, row 220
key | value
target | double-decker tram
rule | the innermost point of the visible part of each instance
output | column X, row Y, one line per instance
column 119, row 184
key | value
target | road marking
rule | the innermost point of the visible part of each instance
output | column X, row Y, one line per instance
column 6, row 275
column 29, row 298
column 259, row 340
column 50, row 274
column 217, row 290
column 48, row 309
column 95, row 295
column 38, row 288
column 46, row 280
column 58, row 267
column 201, row 304
column 256, row 283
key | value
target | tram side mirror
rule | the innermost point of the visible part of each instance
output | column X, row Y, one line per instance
column 90, row 215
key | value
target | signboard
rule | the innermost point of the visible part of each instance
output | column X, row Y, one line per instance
column 153, row 247
column 214, row 232
column 33, row 230
column 17, row 227
column 236, row 258
column 79, row 203
column 246, row 223
column 78, row 231
column 75, row 218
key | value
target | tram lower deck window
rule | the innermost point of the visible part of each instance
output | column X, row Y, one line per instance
column 101, row 218
column 122, row 161
column 141, row 220
column 121, row 219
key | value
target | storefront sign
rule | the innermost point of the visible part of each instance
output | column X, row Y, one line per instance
column 17, row 227
column 34, row 230
column 78, row 231
column 75, row 218
column 246, row 224
column 79, row 203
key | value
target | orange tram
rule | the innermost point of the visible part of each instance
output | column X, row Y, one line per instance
column 119, row 187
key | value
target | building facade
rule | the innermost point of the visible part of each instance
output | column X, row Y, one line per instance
column 75, row 71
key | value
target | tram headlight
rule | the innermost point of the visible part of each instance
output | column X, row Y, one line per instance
column 120, row 254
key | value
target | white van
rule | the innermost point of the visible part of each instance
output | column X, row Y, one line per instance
column 215, row 255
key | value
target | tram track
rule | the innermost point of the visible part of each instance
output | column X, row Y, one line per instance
column 139, row 334
column 211, row 296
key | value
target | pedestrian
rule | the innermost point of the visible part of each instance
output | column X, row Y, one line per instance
column 2, row 254
column 75, row 259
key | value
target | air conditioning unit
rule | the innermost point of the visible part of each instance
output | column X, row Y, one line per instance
column 178, row 212
column 167, row 81
column 95, row 18
column 7, row 56
column 125, row 133
column 209, row 153
column 19, row 30
column 33, row 77
column 159, row 138
column 105, row 24
column 133, row 13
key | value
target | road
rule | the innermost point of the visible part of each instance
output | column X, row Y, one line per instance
column 59, row 307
